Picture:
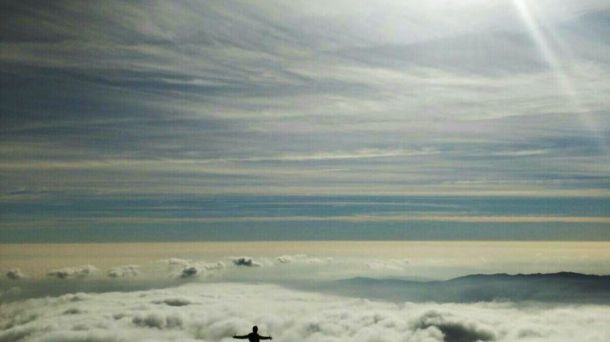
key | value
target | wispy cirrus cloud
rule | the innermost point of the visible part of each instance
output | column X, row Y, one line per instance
column 351, row 218
column 302, row 98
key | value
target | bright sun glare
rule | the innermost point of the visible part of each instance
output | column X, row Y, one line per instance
column 547, row 42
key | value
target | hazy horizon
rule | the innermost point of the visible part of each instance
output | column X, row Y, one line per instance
column 420, row 259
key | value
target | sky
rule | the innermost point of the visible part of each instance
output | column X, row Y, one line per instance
column 289, row 120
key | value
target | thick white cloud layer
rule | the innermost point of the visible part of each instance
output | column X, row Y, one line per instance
column 214, row 312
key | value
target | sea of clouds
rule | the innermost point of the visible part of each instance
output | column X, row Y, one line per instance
column 217, row 311
column 194, row 300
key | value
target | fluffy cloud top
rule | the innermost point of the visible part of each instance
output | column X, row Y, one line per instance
column 284, row 259
column 72, row 272
column 124, row 271
column 215, row 312
column 303, row 259
column 246, row 262
column 14, row 274
column 173, row 301
column 189, row 271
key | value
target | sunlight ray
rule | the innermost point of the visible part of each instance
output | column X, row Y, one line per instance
column 542, row 38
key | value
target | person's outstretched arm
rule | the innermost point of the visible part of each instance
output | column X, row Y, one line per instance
column 265, row 337
column 240, row 337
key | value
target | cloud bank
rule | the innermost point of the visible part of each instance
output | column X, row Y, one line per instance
column 214, row 312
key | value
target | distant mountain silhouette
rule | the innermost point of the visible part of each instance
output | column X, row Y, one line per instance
column 559, row 287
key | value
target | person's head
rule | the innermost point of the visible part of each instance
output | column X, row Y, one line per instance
column 255, row 328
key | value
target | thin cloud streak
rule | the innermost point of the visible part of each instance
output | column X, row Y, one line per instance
column 302, row 98
column 351, row 218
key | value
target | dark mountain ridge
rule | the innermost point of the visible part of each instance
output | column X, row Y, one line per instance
column 561, row 287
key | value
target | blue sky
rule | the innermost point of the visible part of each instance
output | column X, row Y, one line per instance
column 130, row 118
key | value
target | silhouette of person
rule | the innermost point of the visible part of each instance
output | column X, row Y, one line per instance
column 253, row 336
